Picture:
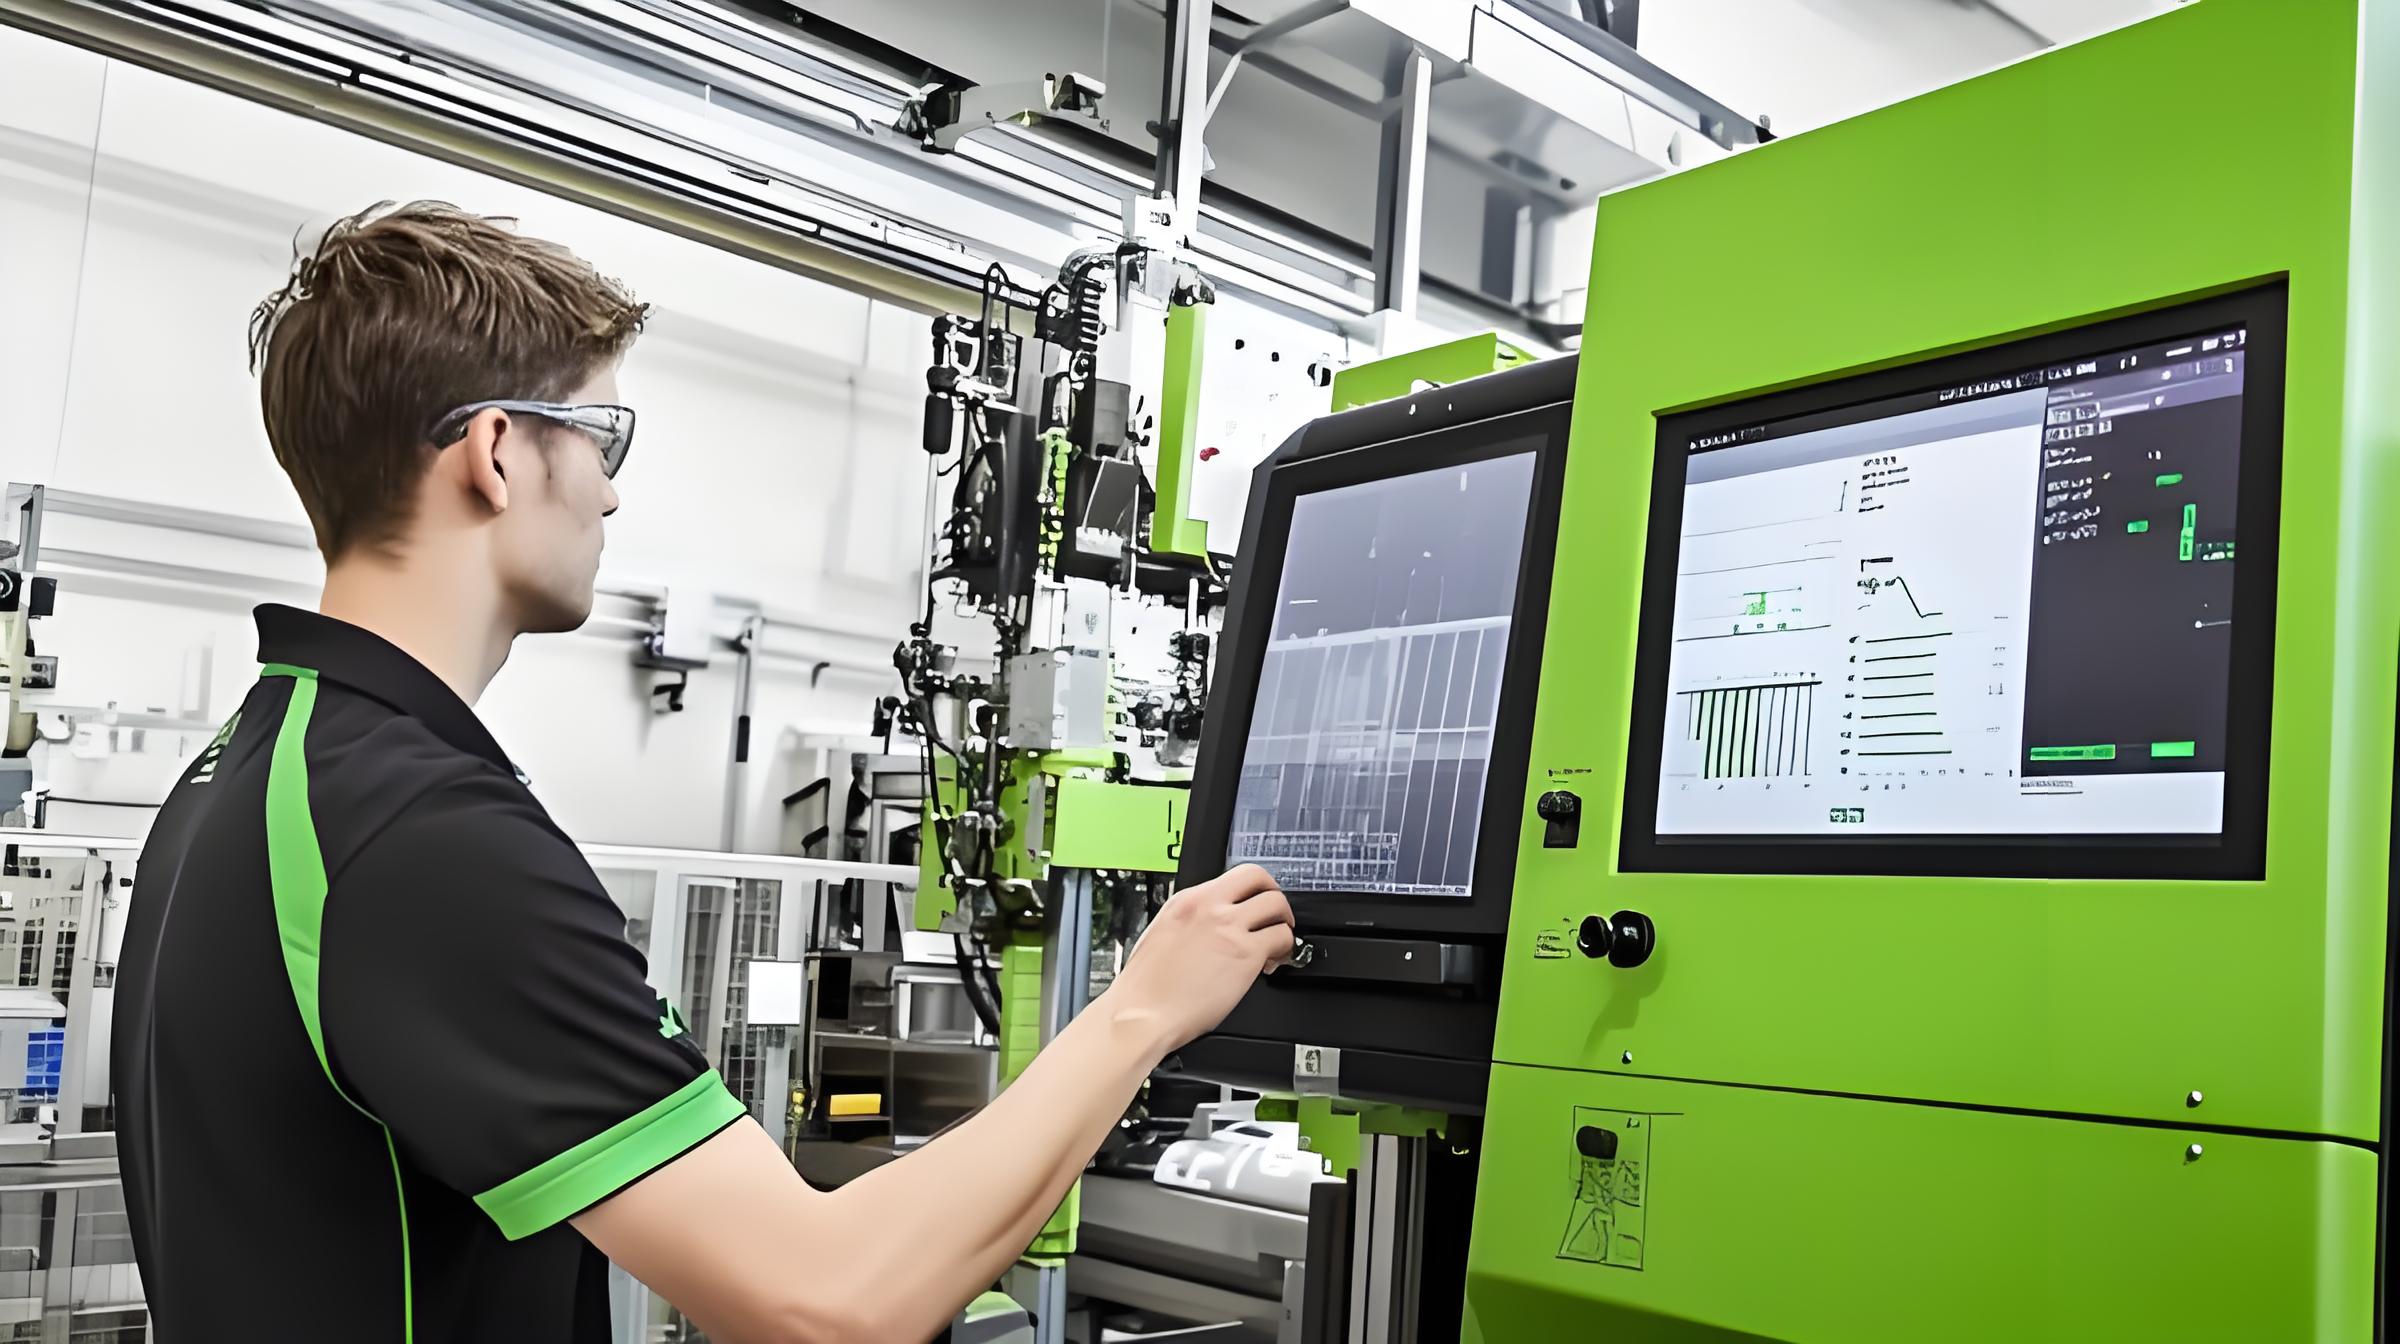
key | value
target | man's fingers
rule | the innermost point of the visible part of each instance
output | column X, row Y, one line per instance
column 1265, row 910
column 1274, row 945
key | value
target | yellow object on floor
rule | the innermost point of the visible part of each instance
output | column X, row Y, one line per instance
column 854, row 1103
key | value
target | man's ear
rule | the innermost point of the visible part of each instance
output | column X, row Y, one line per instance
column 483, row 450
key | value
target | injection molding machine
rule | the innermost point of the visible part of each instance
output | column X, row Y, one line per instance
column 1862, row 806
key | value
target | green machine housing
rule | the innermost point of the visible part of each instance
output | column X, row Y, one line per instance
column 1892, row 1090
column 1892, row 1067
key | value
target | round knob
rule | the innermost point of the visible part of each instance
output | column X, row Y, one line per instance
column 1634, row 939
column 1593, row 936
column 1557, row 805
column 1626, row 938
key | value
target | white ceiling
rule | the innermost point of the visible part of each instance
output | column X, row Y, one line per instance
column 1809, row 62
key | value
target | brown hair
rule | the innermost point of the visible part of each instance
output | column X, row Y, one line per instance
column 399, row 316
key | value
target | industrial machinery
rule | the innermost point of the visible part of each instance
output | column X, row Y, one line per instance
column 25, row 597
column 1790, row 805
column 1056, row 679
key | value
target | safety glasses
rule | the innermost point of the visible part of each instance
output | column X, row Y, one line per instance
column 611, row 427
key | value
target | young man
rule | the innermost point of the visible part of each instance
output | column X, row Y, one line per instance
column 387, row 1069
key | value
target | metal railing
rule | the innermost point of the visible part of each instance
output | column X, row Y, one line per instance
column 67, row 1271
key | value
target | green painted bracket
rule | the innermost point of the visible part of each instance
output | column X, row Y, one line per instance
column 1330, row 1132
column 936, row 901
column 1132, row 827
column 1331, row 1129
column 1173, row 530
column 1020, row 1041
column 1440, row 365
column 1020, row 1004
column 1405, row 1122
column 1056, row 1240
column 990, row 1305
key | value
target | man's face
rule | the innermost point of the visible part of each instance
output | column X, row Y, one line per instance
column 548, row 544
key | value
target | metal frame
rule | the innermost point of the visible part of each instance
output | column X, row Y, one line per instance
column 688, row 179
column 1400, row 187
column 1182, row 156
column 1067, row 981
column 66, row 1183
column 1648, row 83
column 84, row 973
column 1387, row 1246
column 1262, row 37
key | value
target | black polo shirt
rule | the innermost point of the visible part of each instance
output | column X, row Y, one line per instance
column 378, row 1030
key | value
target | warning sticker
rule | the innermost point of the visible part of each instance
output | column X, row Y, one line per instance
column 1611, row 1156
column 1549, row 944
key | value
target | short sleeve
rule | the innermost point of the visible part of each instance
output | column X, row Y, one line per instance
column 481, row 1001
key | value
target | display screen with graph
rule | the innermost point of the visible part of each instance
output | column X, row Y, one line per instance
column 1376, row 707
column 2000, row 602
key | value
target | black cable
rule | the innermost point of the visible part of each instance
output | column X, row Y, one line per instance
column 94, row 802
column 971, row 971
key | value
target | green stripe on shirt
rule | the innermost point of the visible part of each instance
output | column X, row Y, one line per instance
column 609, row 1161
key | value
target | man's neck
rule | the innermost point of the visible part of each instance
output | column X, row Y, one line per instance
column 452, row 627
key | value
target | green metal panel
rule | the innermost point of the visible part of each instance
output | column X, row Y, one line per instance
column 1020, row 1041
column 1437, row 366
column 1747, row 1214
column 2096, row 179
column 1920, row 232
column 1134, row 827
column 1173, row 531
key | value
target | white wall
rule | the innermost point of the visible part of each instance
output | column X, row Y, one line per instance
column 141, row 218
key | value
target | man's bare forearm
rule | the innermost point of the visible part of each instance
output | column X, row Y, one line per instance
column 975, row 1197
column 731, row 1234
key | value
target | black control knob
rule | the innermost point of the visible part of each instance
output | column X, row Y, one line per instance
column 1562, row 818
column 1593, row 936
column 1626, row 938
column 1636, row 939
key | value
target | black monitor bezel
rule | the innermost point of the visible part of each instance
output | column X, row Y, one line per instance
column 1482, row 914
column 2236, row 853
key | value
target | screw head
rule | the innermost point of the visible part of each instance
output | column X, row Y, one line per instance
column 1626, row 1058
column 2194, row 1098
column 2192, row 1154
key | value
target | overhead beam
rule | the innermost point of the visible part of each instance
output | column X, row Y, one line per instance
column 1400, row 187
column 327, row 96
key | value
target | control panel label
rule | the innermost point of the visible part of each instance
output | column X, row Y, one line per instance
column 1552, row 944
column 1611, row 1156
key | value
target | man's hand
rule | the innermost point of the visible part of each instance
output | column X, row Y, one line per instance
column 1205, row 949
